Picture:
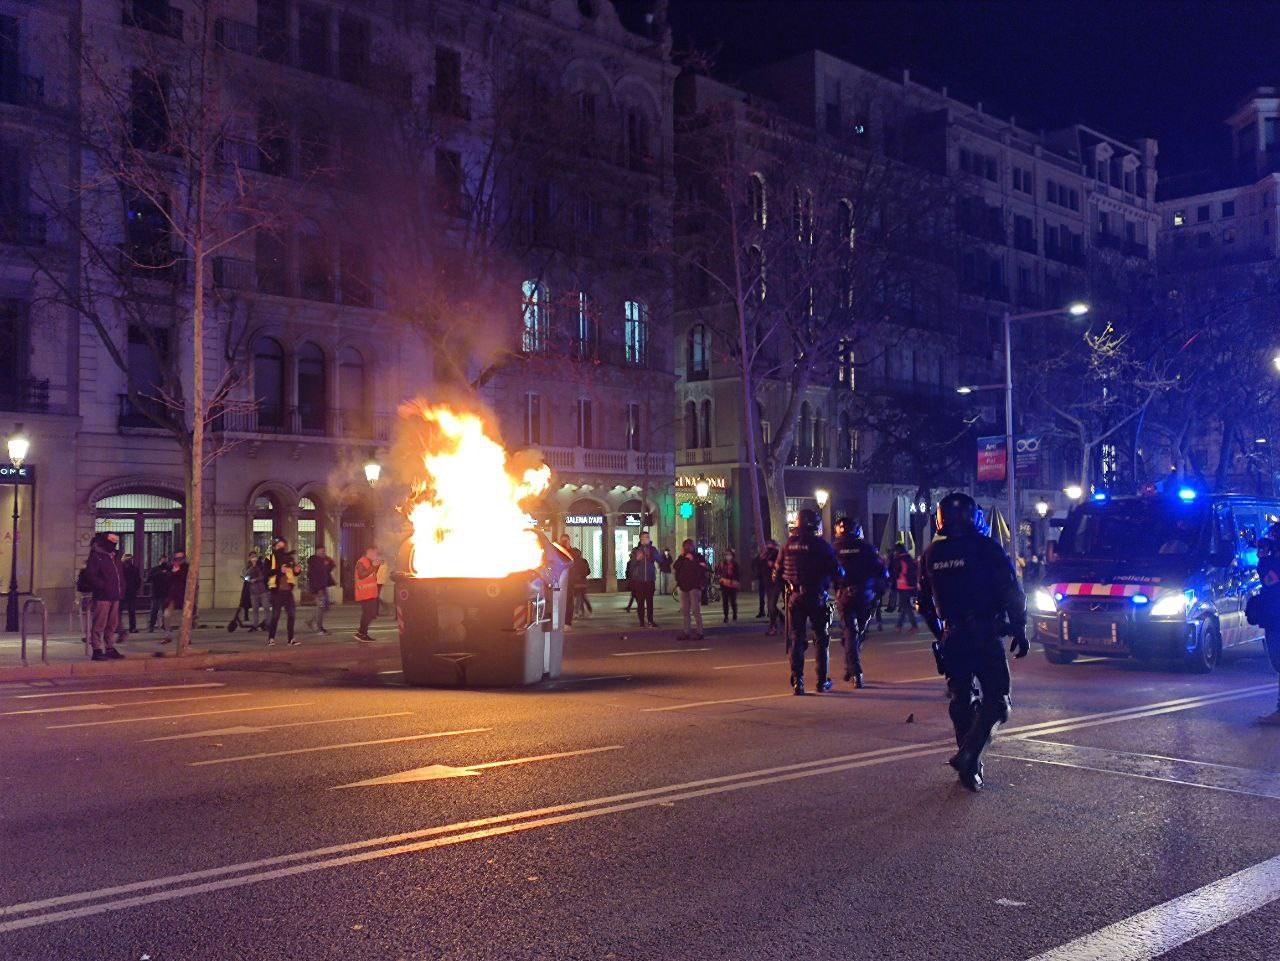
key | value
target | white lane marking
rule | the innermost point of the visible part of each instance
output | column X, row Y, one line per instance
column 118, row 690
column 258, row 729
column 724, row 700
column 1212, row 777
column 391, row 672
column 776, row 662
column 1092, row 660
column 435, row 772
column 116, row 707
column 173, row 717
column 670, row 650
column 1167, row 707
column 1159, row 930
column 652, row 796
column 935, row 676
column 584, row 680
column 335, row 747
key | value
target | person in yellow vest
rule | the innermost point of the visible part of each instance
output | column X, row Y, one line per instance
column 367, row 588
column 282, row 580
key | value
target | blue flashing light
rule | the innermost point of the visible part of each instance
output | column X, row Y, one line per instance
column 1141, row 600
column 1058, row 596
column 1100, row 496
column 1186, row 494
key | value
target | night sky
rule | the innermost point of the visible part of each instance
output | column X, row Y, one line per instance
column 1170, row 70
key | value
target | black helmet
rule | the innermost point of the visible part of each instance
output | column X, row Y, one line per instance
column 957, row 514
column 851, row 528
column 807, row 519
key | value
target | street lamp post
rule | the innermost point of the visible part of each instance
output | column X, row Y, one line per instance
column 18, row 446
column 1077, row 309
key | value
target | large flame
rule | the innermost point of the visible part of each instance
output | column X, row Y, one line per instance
column 468, row 516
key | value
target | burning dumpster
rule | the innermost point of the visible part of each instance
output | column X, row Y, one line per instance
column 474, row 605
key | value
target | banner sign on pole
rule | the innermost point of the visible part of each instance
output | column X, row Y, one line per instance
column 991, row 458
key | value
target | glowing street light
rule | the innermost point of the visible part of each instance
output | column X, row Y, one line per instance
column 702, row 487
column 821, row 496
column 1042, row 508
column 1078, row 309
column 18, row 446
column 372, row 472
column 1276, row 361
column 1073, row 491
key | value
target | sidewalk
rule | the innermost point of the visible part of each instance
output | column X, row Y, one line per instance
column 213, row 646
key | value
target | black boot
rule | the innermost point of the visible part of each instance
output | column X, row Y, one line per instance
column 969, row 768
column 858, row 682
column 825, row 684
column 797, row 684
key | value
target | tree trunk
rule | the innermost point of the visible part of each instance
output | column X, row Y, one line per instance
column 775, row 479
column 195, row 508
column 749, row 424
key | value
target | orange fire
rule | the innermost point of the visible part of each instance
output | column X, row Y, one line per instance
column 468, row 515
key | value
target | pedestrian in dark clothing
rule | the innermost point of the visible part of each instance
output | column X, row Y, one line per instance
column 644, row 580
column 729, row 574
column 664, row 572
column 762, row 571
column 177, row 594
column 773, row 587
column 969, row 597
column 579, row 574
column 691, row 572
column 132, row 586
column 105, row 579
column 1269, row 598
column 808, row 565
column 158, row 582
column 319, row 579
column 858, row 591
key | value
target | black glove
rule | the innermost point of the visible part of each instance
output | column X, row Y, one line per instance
column 1019, row 647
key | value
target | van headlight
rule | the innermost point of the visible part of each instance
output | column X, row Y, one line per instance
column 1043, row 602
column 1172, row 605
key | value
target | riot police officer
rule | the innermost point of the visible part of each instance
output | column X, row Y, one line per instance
column 807, row 564
column 969, row 597
column 858, row 591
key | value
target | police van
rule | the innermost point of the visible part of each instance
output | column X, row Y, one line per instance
column 1152, row 576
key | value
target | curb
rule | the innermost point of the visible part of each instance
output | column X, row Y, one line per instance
column 196, row 661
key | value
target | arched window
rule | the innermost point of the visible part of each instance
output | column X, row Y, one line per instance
column 706, row 423
column 802, row 214
column 310, row 532
column 844, row 444
column 636, row 331
column 264, row 523
column 819, row 441
column 844, row 223
column 268, row 383
column 311, row 388
column 536, row 317
column 690, row 425
column 758, row 200
column 756, row 274
column 697, row 366
column 353, row 399
column 845, row 365
column 149, row 524
column 636, row 140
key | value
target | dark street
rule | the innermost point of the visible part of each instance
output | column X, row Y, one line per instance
column 662, row 800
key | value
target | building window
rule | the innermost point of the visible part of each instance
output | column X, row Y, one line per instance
column 1202, row 214
column 587, row 337
column 640, row 224
column 1179, row 218
column 1228, row 208
column 844, row 445
column 845, row 357
column 264, row 524
column 845, row 231
column 274, row 148
column 534, row 310
column 353, row 400
column 532, row 419
column 697, row 365
column 268, row 382
column 758, row 200
column 802, row 215
column 148, row 110
column 271, row 264
column 311, row 392
column 313, row 39
column 1022, row 180
column 1051, row 191
column 633, row 427
column 636, row 331
column 636, row 143
column 706, row 423
column 147, row 239
column 13, row 353
column 690, row 425
column 315, row 268
column 585, row 432
column 447, row 94
column 756, row 277
column 310, row 534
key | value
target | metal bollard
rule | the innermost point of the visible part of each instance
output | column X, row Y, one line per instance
column 44, row 629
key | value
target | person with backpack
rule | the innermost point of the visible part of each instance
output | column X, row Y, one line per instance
column 103, row 578
column 906, row 581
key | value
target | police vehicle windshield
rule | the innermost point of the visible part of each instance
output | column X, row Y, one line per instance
column 1136, row 529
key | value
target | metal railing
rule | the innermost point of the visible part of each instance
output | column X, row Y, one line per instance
column 133, row 415
column 44, row 629
column 25, row 395
column 303, row 421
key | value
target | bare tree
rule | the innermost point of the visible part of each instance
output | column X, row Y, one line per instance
column 808, row 255
column 160, row 182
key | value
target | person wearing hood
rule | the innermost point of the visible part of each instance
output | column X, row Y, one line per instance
column 105, row 578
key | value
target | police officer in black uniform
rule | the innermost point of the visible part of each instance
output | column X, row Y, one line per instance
column 969, row 597
column 808, row 565
column 858, row 591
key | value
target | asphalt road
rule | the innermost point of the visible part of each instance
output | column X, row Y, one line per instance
column 663, row 800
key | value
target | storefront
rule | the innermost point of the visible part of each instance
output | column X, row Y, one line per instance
column 702, row 514
column 149, row 525
column 585, row 525
column 627, row 525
